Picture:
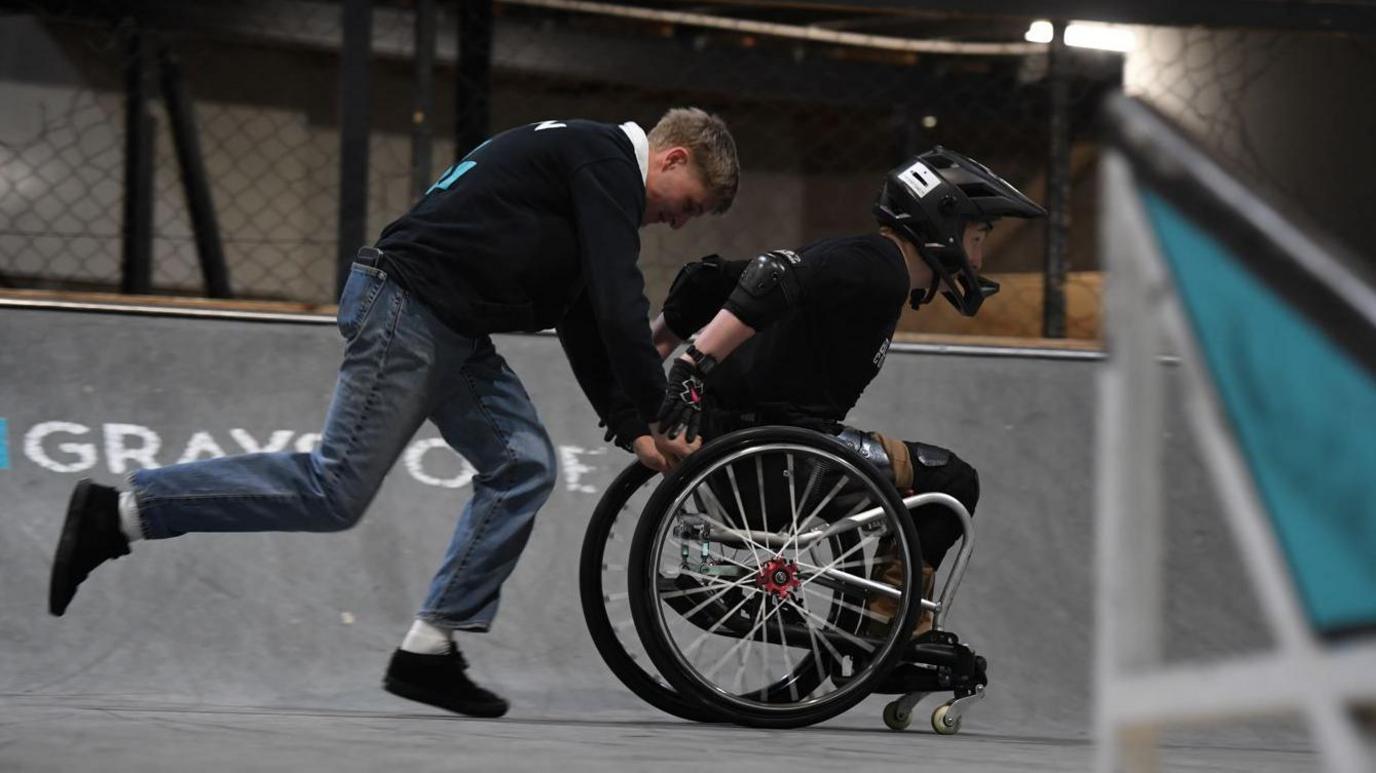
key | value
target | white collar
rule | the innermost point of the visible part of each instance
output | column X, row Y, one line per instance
column 641, row 143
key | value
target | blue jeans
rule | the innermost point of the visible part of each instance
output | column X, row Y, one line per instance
column 401, row 367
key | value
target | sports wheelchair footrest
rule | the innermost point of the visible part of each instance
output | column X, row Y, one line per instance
column 936, row 662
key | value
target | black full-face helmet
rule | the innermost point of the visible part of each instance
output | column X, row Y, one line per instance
column 929, row 200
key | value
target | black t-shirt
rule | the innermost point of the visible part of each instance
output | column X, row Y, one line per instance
column 817, row 358
column 528, row 224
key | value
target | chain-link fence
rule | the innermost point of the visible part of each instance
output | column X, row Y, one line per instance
column 817, row 122
column 1291, row 111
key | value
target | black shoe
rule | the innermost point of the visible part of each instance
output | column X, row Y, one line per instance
column 90, row 537
column 439, row 680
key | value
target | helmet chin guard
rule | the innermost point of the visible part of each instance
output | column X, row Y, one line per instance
column 967, row 303
column 929, row 200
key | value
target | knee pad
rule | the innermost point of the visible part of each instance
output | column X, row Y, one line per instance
column 966, row 484
column 937, row 469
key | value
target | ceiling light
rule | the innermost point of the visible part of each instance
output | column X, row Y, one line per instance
column 1039, row 32
column 1080, row 34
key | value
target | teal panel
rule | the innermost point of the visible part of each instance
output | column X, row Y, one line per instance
column 1303, row 415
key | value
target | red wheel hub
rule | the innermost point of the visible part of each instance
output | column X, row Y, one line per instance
column 779, row 577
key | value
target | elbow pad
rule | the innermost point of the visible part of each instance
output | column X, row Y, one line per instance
column 768, row 288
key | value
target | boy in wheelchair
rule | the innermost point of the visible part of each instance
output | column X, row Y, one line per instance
column 794, row 337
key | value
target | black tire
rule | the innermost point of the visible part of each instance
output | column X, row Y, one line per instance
column 590, row 591
column 882, row 651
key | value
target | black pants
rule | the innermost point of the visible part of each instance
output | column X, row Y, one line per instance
column 937, row 527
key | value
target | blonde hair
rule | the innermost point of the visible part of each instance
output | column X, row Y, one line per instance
column 713, row 149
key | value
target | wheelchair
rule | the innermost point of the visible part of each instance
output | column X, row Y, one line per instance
column 769, row 581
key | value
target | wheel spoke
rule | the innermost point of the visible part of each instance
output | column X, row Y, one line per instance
column 759, row 486
column 831, row 648
column 694, row 591
column 743, row 646
column 709, row 498
column 714, row 597
column 699, row 641
column 827, row 624
column 817, row 571
column 851, row 606
column 764, row 644
column 816, row 653
column 825, row 501
column 788, row 665
column 746, row 638
column 793, row 509
column 807, row 490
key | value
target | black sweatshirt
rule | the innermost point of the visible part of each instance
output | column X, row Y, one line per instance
column 533, row 221
column 816, row 359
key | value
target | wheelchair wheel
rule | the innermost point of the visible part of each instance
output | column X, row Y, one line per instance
column 771, row 577
column 602, row 590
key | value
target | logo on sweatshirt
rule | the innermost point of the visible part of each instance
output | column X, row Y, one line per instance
column 883, row 351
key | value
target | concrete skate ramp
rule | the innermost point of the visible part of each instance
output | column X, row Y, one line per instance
column 305, row 622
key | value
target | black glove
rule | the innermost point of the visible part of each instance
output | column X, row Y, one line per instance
column 682, row 406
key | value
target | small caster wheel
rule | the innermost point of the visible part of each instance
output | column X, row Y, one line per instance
column 896, row 718
column 941, row 725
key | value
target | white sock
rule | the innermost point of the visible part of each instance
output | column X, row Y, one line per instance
column 129, row 521
column 426, row 639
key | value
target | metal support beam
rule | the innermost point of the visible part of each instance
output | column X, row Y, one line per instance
column 1057, row 187
column 473, row 87
column 1129, row 520
column 525, row 47
column 353, row 134
column 137, row 271
column 422, row 124
column 181, row 114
